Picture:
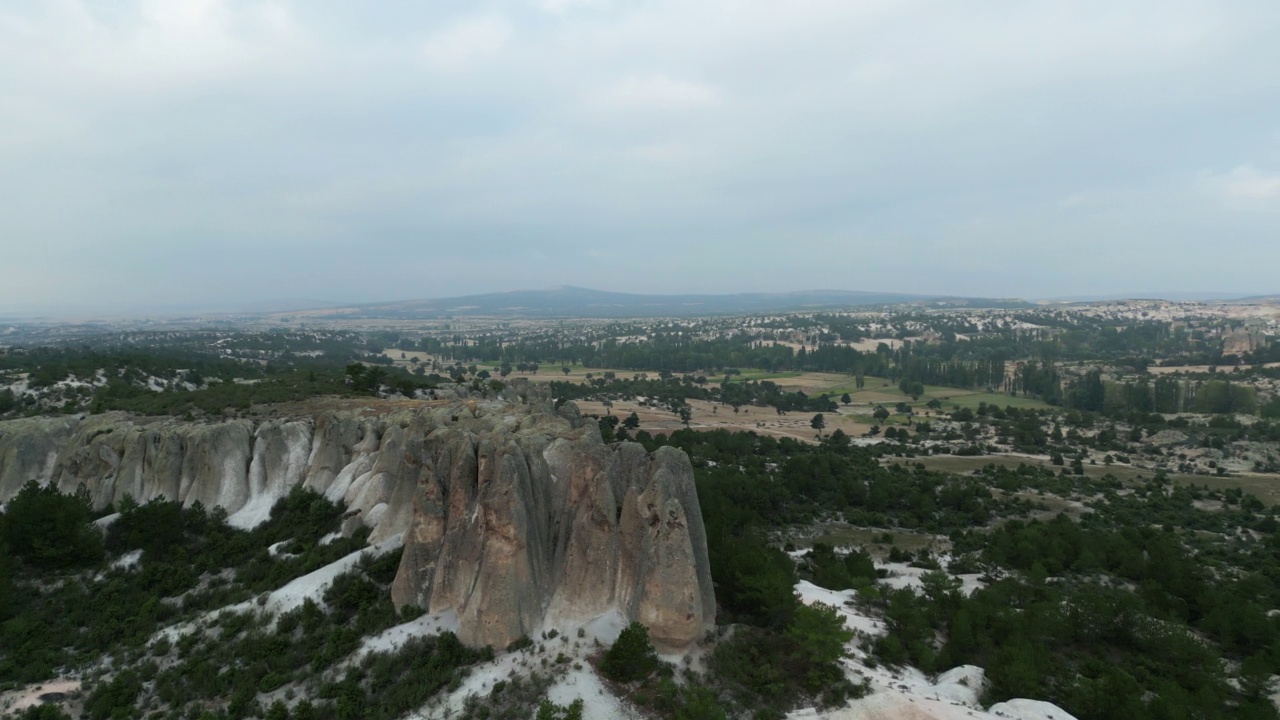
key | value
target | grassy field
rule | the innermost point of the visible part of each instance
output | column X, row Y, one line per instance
column 1265, row 487
column 949, row 397
column 1002, row 400
column 759, row 375
column 546, row 373
column 408, row 355
column 710, row 416
column 880, row 391
column 963, row 464
column 842, row 535
column 875, row 391
column 577, row 373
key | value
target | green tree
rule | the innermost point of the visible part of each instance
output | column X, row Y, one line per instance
column 631, row 422
column 818, row 423
column 754, row 580
column 1167, row 395
column 1271, row 410
column 881, row 413
column 846, row 399
column 1088, row 393
column 686, row 414
column 632, row 657
column 820, row 633
column 700, row 704
column 6, row 583
column 51, row 530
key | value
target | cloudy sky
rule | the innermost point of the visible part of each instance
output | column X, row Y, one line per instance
column 212, row 153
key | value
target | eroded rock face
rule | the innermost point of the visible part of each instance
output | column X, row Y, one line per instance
column 515, row 515
column 515, row 529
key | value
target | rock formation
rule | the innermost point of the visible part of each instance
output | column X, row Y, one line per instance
column 515, row 516
column 1243, row 340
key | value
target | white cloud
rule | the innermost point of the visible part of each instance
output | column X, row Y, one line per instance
column 1250, row 183
column 659, row 92
column 467, row 41
column 148, row 44
column 1246, row 188
column 29, row 121
column 563, row 7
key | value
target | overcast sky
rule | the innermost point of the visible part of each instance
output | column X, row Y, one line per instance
column 209, row 153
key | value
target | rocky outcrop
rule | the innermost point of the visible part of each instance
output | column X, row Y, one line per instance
column 515, row 515
column 1242, row 340
column 513, row 530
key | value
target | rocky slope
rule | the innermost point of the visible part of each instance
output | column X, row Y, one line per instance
column 514, row 516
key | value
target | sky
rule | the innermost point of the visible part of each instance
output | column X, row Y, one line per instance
column 223, row 153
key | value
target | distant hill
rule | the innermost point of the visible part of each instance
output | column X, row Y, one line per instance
column 571, row 301
column 280, row 305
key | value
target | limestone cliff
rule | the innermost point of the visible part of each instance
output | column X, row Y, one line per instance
column 515, row 516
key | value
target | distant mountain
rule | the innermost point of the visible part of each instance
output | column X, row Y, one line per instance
column 571, row 301
column 280, row 305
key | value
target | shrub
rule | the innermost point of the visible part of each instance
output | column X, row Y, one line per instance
column 114, row 699
column 548, row 710
column 42, row 712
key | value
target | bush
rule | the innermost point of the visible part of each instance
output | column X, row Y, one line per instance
column 548, row 710
column 834, row 572
column 349, row 594
column 42, row 712
column 114, row 699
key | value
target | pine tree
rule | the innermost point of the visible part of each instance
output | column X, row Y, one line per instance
column 632, row 657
